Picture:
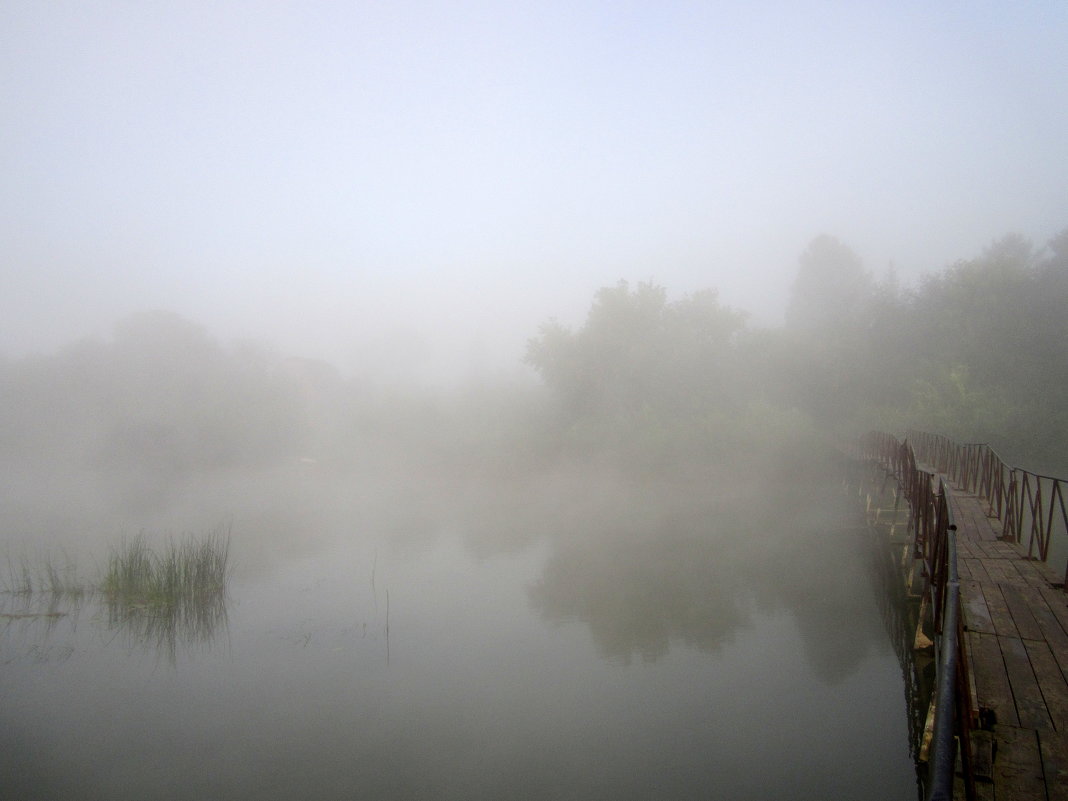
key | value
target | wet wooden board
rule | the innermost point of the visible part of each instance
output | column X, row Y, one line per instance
column 1015, row 620
column 1053, row 748
column 1027, row 695
column 1057, row 601
column 1018, row 768
column 982, row 751
column 1002, row 570
column 1049, row 678
column 1004, row 625
column 1020, row 609
column 1054, row 635
column 1034, row 573
column 976, row 615
column 977, row 570
column 991, row 681
column 1016, row 641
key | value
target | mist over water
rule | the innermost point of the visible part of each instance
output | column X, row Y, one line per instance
column 510, row 351
column 573, row 633
column 637, row 576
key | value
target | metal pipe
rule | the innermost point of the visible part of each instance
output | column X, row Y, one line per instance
column 943, row 744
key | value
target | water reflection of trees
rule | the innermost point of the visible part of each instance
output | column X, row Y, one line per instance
column 823, row 577
column 697, row 578
column 637, row 595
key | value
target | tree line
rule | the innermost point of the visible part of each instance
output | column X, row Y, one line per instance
column 647, row 382
column 976, row 351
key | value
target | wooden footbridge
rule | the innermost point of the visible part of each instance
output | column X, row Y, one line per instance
column 982, row 538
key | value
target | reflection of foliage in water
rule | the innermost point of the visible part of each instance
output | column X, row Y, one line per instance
column 676, row 566
column 196, row 620
column 636, row 595
column 38, row 626
column 40, row 599
column 45, row 632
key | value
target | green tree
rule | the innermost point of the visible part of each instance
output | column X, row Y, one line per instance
column 832, row 290
column 637, row 353
column 829, row 316
column 640, row 366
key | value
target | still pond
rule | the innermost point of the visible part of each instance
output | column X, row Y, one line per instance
column 620, row 653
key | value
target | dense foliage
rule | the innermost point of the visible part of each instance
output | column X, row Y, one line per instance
column 976, row 351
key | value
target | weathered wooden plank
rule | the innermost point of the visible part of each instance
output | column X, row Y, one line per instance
column 1053, row 748
column 1058, row 604
column 989, row 528
column 1060, row 655
column 985, row 530
column 1030, row 705
column 977, row 569
column 979, row 547
column 963, row 572
column 1008, row 561
column 1035, row 574
column 1018, row 772
column 991, row 681
column 1020, row 610
column 999, row 611
column 976, row 615
column 1004, row 548
column 1002, row 571
column 1052, row 631
column 1050, row 681
column 982, row 753
column 1016, row 642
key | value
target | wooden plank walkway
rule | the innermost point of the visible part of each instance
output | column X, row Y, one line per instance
column 1016, row 644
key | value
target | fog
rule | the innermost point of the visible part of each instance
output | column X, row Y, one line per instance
column 338, row 179
column 512, row 352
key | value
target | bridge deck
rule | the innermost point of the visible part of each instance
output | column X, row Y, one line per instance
column 1016, row 640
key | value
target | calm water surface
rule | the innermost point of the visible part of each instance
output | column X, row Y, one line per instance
column 675, row 655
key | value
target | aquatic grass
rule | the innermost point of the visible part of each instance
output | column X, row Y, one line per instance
column 18, row 579
column 176, row 594
column 183, row 574
column 52, row 573
column 189, row 570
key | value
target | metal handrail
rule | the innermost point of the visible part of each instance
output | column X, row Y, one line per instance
column 1028, row 504
column 947, row 708
column 934, row 538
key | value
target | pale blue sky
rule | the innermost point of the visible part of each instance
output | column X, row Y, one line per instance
column 330, row 176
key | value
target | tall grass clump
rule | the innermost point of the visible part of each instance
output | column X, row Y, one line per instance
column 176, row 594
column 192, row 571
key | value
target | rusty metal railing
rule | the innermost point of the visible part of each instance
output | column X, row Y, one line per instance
column 934, row 545
column 931, row 518
column 1030, row 506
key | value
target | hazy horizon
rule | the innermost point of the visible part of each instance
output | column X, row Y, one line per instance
column 431, row 183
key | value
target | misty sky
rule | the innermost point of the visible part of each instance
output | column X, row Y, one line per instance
column 342, row 177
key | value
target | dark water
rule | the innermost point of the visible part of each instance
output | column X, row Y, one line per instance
column 702, row 650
